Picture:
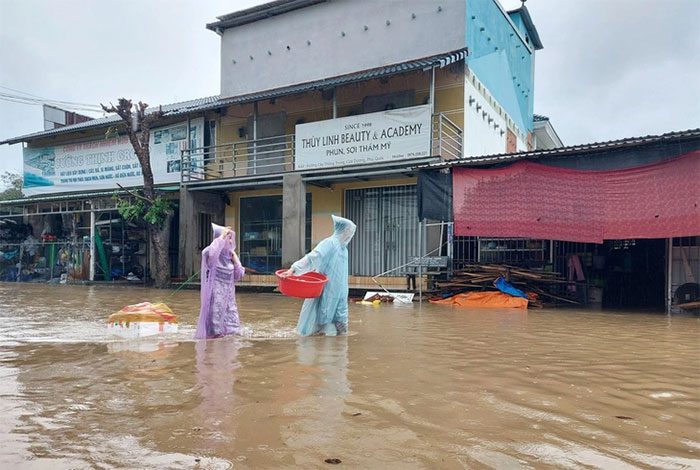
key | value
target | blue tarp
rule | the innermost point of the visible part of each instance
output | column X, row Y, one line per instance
column 505, row 287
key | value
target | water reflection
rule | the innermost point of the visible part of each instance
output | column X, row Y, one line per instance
column 411, row 387
column 216, row 370
column 330, row 356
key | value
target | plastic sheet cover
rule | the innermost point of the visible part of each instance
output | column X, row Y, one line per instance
column 531, row 200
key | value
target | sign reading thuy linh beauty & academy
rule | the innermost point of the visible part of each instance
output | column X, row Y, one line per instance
column 397, row 134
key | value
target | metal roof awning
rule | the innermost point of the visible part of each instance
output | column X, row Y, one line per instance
column 592, row 148
column 317, row 176
column 213, row 102
column 76, row 196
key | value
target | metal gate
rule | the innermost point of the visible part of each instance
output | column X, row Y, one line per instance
column 387, row 228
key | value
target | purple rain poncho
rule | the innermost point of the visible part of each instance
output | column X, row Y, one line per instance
column 328, row 314
column 218, row 315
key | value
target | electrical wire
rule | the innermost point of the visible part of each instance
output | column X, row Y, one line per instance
column 30, row 99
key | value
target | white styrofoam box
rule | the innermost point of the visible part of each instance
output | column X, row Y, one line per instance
column 141, row 329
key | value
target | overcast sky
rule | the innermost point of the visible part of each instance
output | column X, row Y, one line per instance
column 609, row 68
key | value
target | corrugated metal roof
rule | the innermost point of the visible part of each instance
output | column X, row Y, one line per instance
column 58, row 197
column 259, row 12
column 79, row 195
column 212, row 102
column 570, row 150
column 169, row 109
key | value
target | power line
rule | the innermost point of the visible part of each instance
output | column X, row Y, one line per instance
column 37, row 100
column 70, row 108
column 20, row 91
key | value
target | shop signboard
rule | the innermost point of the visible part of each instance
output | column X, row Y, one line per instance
column 104, row 163
column 397, row 134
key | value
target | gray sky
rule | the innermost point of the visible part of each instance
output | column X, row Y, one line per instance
column 609, row 68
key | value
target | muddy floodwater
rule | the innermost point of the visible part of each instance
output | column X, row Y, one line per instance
column 410, row 387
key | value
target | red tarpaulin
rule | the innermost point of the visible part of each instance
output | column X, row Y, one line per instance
column 531, row 200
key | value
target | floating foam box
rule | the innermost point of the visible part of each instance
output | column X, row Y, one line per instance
column 139, row 329
column 144, row 319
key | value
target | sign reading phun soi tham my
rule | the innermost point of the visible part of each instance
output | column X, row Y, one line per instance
column 367, row 138
column 102, row 163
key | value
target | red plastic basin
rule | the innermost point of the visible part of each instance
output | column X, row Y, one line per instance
column 306, row 286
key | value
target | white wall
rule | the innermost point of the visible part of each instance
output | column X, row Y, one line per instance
column 482, row 137
column 521, row 145
column 330, row 53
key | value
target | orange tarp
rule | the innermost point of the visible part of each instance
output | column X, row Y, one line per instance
column 484, row 299
column 144, row 312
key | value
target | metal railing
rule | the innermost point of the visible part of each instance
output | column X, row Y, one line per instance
column 447, row 138
column 271, row 155
column 275, row 155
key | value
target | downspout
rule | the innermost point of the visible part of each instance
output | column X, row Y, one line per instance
column 255, row 137
column 432, row 90
column 92, row 242
column 335, row 104
column 432, row 111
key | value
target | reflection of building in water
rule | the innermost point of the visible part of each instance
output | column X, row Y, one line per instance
column 216, row 365
column 324, row 402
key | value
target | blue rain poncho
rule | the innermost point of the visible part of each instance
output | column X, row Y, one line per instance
column 328, row 314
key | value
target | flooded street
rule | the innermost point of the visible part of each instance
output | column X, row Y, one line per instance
column 411, row 387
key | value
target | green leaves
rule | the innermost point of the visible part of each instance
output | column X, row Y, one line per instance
column 158, row 212
column 152, row 212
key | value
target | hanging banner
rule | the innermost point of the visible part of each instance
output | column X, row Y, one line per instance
column 531, row 200
column 397, row 134
column 101, row 164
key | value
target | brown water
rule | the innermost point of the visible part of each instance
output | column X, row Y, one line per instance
column 411, row 387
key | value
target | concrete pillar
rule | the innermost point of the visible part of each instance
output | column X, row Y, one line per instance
column 293, row 218
column 188, row 233
column 192, row 204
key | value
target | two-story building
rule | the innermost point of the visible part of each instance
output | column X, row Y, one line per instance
column 325, row 107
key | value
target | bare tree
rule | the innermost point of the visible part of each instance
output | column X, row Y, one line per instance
column 148, row 206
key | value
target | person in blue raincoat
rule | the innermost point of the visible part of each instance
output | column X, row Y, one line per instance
column 327, row 314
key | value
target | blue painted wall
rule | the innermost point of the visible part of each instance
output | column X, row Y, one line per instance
column 501, row 60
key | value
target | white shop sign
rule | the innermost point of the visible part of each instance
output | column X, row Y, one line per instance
column 101, row 164
column 397, row 134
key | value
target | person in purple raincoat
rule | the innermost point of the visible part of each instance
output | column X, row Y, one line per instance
column 221, row 268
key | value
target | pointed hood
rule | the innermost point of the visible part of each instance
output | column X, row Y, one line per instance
column 343, row 229
column 218, row 230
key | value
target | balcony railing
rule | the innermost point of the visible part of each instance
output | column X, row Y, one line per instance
column 275, row 155
column 446, row 138
column 249, row 157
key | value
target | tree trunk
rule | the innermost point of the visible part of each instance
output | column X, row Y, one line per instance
column 160, row 242
column 138, row 128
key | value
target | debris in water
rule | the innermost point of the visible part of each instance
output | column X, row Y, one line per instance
column 333, row 461
column 144, row 319
column 623, row 417
column 356, row 414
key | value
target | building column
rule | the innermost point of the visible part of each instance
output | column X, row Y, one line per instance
column 293, row 218
column 188, row 233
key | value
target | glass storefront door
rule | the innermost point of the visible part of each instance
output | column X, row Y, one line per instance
column 261, row 233
column 387, row 228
